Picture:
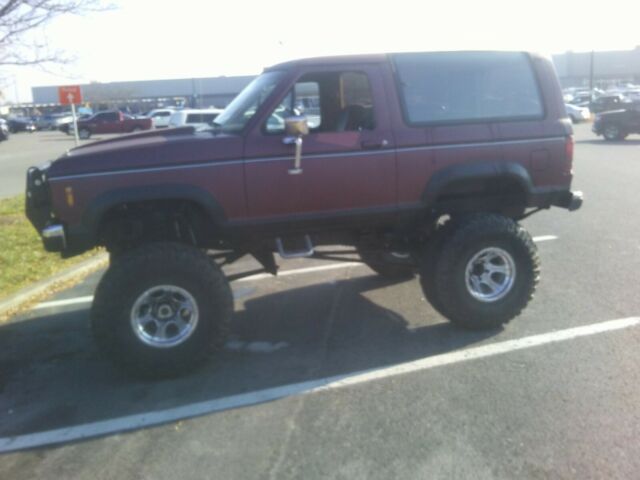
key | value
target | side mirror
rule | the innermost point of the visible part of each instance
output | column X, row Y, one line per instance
column 296, row 126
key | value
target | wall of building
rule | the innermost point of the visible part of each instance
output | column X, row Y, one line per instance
column 204, row 92
column 608, row 67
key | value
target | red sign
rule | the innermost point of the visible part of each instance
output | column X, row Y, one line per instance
column 70, row 94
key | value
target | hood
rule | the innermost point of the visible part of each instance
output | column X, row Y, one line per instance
column 151, row 149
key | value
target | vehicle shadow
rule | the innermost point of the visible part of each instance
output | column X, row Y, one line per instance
column 52, row 376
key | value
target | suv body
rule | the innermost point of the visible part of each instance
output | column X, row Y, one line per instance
column 111, row 122
column 371, row 176
column 391, row 145
column 617, row 124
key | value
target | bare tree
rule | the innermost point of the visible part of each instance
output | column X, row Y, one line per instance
column 19, row 18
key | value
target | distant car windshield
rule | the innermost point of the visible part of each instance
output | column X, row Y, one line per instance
column 238, row 113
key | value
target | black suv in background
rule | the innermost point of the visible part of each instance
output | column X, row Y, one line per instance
column 617, row 124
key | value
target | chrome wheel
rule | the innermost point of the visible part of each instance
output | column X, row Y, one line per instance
column 490, row 274
column 164, row 316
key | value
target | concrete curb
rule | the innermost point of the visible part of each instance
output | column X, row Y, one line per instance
column 38, row 290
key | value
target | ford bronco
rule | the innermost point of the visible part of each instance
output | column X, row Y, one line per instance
column 422, row 163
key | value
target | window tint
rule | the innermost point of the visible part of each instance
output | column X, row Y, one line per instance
column 467, row 86
column 209, row 117
column 107, row 117
column 331, row 101
column 194, row 118
column 161, row 114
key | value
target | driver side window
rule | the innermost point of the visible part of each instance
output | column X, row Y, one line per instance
column 331, row 101
column 303, row 99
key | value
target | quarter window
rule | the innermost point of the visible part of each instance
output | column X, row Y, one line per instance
column 467, row 86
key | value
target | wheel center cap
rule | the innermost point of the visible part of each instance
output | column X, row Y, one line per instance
column 164, row 312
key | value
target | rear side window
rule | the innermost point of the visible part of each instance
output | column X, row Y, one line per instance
column 107, row 117
column 194, row 118
column 458, row 87
column 209, row 117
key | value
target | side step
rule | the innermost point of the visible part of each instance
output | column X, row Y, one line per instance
column 307, row 251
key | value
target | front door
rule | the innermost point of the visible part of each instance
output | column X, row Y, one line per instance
column 348, row 159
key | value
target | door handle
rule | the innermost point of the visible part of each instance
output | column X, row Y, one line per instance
column 297, row 162
column 374, row 144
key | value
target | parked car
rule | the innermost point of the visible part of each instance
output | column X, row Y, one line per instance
column 618, row 124
column 197, row 118
column 4, row 130
column 21, row 124
column 580, row 98
column 577, row 114
column 160, row 117
column 111, row 122
column 446, row 204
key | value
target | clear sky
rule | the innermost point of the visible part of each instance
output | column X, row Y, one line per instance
column 153, row 39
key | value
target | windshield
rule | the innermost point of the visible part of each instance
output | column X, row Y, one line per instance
column 244, row 106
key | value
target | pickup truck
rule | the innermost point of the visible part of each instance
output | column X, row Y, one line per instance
column 419, row 163
column 112, row 122
column 618, row 124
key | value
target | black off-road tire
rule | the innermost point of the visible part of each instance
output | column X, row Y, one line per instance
column 135, row 272
column 382, row 262
column 468, row 237
column 429, row 260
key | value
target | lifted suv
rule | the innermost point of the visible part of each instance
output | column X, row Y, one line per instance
column 422, row 162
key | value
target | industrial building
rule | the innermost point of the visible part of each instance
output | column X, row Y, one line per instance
column 610, row 69
column 141, row 96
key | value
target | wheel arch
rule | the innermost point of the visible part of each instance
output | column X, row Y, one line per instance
column 107, row 202
column 464, row 185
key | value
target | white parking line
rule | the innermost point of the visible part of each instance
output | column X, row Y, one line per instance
column 259, row 276
column 143, row 420
column 63, row 303
column 299, row 271
column 544, row 238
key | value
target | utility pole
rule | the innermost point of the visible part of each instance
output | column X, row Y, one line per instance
column 591, row 76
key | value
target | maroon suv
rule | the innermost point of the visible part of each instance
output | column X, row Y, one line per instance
column 422, row 162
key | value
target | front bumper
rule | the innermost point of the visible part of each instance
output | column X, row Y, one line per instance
column 555, row 197
column 39, row 211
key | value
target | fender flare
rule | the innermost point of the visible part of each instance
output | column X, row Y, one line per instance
column 469, row 174
column 179, row 192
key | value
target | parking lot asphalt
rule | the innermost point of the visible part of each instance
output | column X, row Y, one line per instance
column 333, row 372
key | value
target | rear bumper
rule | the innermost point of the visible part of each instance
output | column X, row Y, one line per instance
column 570, row 200
column 562, row 198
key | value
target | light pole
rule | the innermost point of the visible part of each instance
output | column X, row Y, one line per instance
column 591, row 76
